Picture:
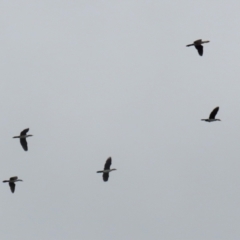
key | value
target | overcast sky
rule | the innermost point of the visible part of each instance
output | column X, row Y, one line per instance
column 98, row 78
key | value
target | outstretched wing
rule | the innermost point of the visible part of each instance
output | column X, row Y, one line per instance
column 108, row 163
column 213, row 113
column 105, row 177
column 200, row 49
column 24, row 132
column 12, row 186
column 24, row 144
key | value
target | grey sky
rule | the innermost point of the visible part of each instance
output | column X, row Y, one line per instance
column 93, row 79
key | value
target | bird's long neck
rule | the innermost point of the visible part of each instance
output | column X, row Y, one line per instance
column 23, row 136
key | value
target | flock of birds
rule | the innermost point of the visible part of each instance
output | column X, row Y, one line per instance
column 198, row 45
column 23, row 141
column 105, row 172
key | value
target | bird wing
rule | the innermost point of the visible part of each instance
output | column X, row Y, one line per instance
column 108, row 163
column 213, row 113
column 24, row 132
column 24, row 144
column 105, row 177
column 200, row 49
column 12, row 186
column 13, row 178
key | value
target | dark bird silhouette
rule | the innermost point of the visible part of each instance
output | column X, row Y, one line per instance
column 23, row 140
column 107, row 169
column 212, row 116
column 198, row 45
column 11, row 182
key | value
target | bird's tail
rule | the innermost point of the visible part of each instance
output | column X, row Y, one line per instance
column 99, row 171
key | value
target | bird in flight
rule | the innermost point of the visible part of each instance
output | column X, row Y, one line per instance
column 198, row 45
column 12, row 181
column 107, row 169
column 212, row 116
column 23, row 140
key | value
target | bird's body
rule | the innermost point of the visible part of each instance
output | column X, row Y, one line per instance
column 198, row 45
column 212, row 116
column 23, row 135
column 107, row 169
column 11, row 182
column 210, row 120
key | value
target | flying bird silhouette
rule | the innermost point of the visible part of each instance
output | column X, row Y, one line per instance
column 11, row 182
column 198, row 45
column 23, row 140
column 212, row 116
column 107, row 169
